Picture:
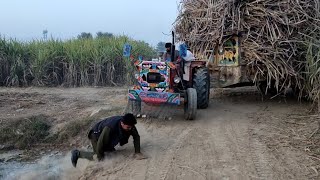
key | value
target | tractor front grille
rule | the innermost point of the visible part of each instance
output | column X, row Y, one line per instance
column 153, row 77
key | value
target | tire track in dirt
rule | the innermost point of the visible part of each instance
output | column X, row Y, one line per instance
column 237, row 141
column 229, row 137
column 223, row 153
column 231, row 141
column 210, row 154
column 225, row 142
column 262, row 162
column 217, row 148
column 170, row 155
column 276, row 160
column 266, row 164
column 157, row 150
column 191, row 160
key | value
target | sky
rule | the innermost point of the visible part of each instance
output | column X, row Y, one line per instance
column 147, row 20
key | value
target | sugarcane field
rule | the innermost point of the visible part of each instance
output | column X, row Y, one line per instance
column 185, row 89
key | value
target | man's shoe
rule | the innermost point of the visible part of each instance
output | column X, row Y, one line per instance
column 74, row 157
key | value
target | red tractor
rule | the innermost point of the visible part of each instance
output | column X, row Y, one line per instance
column 171, row 82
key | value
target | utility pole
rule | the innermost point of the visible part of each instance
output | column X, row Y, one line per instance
column 45, row 33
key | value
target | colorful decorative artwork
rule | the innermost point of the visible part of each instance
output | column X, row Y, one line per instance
column 153, row 79
column 155, row 97
column 157, row 70
column 228, row 53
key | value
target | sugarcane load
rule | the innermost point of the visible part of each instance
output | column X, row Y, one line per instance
column 261, row 42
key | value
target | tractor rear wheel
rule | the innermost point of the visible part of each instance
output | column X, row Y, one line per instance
column 190, row 104
column 201, row 82
column 134, row 107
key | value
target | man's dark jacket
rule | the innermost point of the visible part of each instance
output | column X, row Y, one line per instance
column 116, row 134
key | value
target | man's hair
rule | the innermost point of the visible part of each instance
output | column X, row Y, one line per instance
column 168, row 45
column 129, row 119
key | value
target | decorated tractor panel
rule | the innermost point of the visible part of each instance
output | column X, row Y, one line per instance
column 153, row 83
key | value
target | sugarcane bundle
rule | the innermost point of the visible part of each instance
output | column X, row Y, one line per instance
column 273, row 33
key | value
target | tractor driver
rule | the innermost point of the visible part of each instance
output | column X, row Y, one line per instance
column 167, row 54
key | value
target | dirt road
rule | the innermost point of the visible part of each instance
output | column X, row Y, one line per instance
column 227, row 141
column 238, row 137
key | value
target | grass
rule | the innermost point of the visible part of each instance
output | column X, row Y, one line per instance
column 76, row 62
column 25, row 132
column 76, row 127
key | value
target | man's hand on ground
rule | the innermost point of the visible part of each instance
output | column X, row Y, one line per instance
column 139, row 156
column 100, row 158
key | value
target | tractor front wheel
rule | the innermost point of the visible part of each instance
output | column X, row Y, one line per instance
column 134, row 107
column 190, row 104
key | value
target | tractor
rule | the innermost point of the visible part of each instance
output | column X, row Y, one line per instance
column 174, row 81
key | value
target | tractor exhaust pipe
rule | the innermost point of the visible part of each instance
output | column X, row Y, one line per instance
column 173, row 48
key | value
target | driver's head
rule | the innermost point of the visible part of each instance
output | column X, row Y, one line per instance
column 128, row 121
column 168, row 47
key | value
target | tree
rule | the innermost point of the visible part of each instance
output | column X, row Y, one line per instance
column 104, row 34
column 160, row 47
column 85, row 35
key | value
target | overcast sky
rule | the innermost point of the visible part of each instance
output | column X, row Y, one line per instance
column 140, row 19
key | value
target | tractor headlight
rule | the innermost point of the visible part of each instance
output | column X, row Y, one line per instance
column 177, row 79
